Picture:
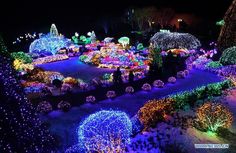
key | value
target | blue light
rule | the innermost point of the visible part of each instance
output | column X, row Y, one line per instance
column 49, row 43
column 105, row 130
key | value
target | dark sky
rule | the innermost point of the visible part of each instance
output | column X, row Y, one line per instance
column 22, row 16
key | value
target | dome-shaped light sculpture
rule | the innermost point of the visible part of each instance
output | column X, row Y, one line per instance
column 50, row 43
column 124, row 41
column 174, row 40
column 105, row 131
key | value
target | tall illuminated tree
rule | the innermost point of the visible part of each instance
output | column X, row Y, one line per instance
column 227, row 37
column 53, row 30
column 20, row 128
column 156, row 61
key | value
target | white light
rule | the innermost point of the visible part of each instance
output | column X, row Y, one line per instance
column 179, row 20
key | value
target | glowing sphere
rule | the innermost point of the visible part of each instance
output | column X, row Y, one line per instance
column 49, row 44
column 105, row 130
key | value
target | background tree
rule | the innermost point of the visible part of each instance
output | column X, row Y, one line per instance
column 20, row 128
column 148, row 17
column 227, row 37
column 164, row 16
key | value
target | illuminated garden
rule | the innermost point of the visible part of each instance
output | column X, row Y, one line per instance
column 154, row 84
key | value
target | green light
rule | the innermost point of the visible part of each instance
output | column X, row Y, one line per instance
column 210, row 133
column 220, row 23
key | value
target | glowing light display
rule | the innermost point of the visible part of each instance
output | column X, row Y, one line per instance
column 220, row 23
column 51, row 42
column 64, row 106
column 146, row 87
column 229, row 56
column 158, row 84
column 124, row 41
column 211, row 116
column 171, row 79
column 90, row 99
column 171, row 40
column 181, row 74
column 111, row 94
column 105, row 131
column 154, row 111
column 129, row 89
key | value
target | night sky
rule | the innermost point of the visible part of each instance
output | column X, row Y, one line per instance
column 30, row 15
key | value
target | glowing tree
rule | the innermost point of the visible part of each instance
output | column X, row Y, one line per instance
column 75, row 38
column 105, row 131
column 53, row 31
column 93, row 37
column 227, row 37
column 212, row 116
column 20, row 128
column 156, row 60
column 169, row 40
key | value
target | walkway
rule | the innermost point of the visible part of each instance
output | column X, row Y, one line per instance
column 75, row 68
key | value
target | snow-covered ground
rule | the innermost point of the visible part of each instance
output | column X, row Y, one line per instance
column 65, row 124
column 149, row 142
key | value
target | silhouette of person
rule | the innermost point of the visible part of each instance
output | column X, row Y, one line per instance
column 117, row 76
column 131, row 76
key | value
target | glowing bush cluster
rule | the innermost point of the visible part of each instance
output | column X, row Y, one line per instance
column 44, row 107
column 90, row 99
column 112, row 55
column 20, row 66
column 158, row 84
column 25, row 58
column 129, row 89
column 49, row 43
column 49, row 59
column 111, row 94
column 227, row 71
column 33, row 87
column 146, row 87
column 154, row 111
column 181, row 74
column 46, row 76
column 201, row 62
column 229, row 56
column 214, row 65
column 71, row 81
column 66, row 87
column 105, row 131
column 171, row 79
column 168, row 41
column 64, row 106
column 212, row 116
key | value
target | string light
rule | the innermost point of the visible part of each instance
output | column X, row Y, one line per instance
column 21, row 130
column 169, row 40
column 105, row 131
column 51, row 42
column 212, row 116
